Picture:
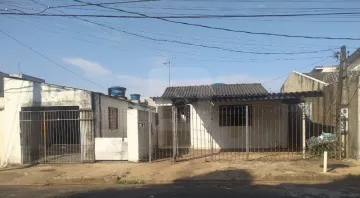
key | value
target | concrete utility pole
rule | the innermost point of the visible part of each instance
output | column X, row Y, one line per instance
column 169, row 65
column 342, row 71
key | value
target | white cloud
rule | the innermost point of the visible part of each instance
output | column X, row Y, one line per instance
column 89, row 67
column 155, row 82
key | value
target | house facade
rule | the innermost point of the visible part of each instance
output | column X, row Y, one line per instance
column 46, row 123
column 242, row 118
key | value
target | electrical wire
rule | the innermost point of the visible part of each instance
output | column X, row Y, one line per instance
column 205, row 46
column 224, row 29
column 192, row 54
column 312, row 65
column 183, row 16
column 201, row 45
column 40, row 54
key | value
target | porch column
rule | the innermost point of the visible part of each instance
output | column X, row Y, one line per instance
column 174, row 128
column 247, row 130
column 87, row 136
column 303, row 129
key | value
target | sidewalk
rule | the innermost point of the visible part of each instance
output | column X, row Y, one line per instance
column 190, row 171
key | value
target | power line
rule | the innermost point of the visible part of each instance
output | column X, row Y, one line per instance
column 205, row 46
column 192, row 54
column 40, row 54
column 312, row 65
column 200, row 45
column 182, row 16
column 223, row 29
column 76, row 5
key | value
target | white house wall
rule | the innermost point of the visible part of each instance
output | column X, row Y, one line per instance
column 164, row 128
column 22, row 93
column 122, row 106
column 267, row 130
column 2, row 140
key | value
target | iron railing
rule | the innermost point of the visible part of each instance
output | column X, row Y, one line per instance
column 57, row 136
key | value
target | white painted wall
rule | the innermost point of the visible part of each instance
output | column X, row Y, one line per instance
column 22, row 93
column 111, row 149
column 133, row 135
column 355, row 65
column 2, row 142
column 164, row 128
column 122, row 106
column 138, row 135
column 267, row 127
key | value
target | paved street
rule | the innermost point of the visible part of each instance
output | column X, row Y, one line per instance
column 186, row 190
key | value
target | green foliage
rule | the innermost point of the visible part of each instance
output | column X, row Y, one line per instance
column 129, row 181
column 324, row 142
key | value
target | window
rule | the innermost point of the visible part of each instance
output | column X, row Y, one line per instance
column 234, row 115
column 113, row 118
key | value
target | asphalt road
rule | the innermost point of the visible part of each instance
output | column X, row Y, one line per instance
column 186, row 190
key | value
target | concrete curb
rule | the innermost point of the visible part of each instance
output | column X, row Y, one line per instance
column 311, row 178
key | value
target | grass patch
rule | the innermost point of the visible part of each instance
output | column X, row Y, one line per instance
column 129, row 181
column 122, row 179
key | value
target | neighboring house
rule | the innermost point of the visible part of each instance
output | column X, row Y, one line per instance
column 228, row 118
column 48, row 123
column 2, row 112
column 325, row 78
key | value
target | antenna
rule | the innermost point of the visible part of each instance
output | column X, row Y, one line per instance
column 18, row 65
column 169, row 65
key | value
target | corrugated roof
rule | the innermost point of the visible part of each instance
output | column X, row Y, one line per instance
column 206, row 91
column 273, row 96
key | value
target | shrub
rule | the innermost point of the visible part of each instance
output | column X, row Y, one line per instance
column 325, row 142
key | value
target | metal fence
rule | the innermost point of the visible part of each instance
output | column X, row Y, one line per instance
column 57, row 136
column 253, row 131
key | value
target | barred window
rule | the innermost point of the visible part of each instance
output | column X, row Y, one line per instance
column 234, row 115
column 113, row 118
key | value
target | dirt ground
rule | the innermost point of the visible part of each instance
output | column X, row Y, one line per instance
column 169, row 172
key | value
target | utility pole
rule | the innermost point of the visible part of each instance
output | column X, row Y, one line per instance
column 342, row 71
column 169, row 65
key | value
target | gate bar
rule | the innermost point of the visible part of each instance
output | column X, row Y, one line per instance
column 44, row 135
column 247, row 130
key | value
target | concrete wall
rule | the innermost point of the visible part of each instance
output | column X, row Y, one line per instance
column 269, row 127
column 350, row 100
column 297, row 82
column 2, row 140
column 139, row 135
column 122, row 106
column 2, row 76
column 164, row 128
column 21, row 93
column 355, row 65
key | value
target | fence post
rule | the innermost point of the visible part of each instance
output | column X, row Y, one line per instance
column 303, row 130
column 45, row 138
column 325, row 162
column 247, row 130
column 174, row 133
column 150, row 136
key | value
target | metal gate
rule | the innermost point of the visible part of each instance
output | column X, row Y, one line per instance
column 57, row 136
column 246, row 131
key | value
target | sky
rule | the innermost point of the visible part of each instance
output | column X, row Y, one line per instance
column 86, row 55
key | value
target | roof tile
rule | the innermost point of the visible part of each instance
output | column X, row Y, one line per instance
column 203, row 91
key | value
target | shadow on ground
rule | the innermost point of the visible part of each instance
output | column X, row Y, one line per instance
column 228, row 183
